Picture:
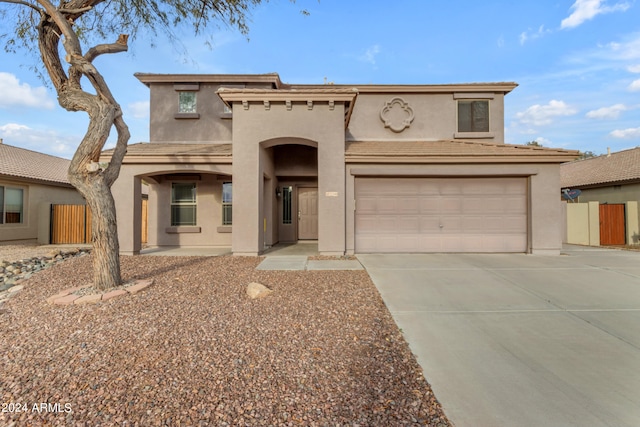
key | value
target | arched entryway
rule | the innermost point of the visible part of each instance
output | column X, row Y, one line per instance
column 292, row 206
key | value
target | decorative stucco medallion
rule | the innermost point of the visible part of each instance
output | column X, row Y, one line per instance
column 396, row 114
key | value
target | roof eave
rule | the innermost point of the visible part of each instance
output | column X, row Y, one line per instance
column 149, row 78
column 454, row 159
column 170, row 159
column 11, row 177
column 498, row 87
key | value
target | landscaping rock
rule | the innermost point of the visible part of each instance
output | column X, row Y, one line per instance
column 257, row 290
column 13, row 273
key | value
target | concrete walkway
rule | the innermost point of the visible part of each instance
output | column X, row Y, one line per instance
column 522, row 340
column 302, row 262
column 293, row 256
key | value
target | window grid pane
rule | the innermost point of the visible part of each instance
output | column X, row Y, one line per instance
column 183, row 215
column 13, row 206
column 187, row 103
column 286, row 205
column 473, row 116
column 1, row 205
column 227, row 203
column 183, row 204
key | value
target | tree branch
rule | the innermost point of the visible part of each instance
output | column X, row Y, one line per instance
column 70, row 40
column 75, row 11
column 119, row 46
column 24, row 3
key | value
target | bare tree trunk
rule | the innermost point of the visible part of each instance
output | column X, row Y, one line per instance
column 85, row 174
column 104, row 233
column 94, row 183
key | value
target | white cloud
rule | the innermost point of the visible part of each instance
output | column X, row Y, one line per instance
column 544, row 141
column 533, row 34
column 626, row 133
column 16, row 94
column 540, row 115
column 11, row 129
column 584, row 10
column 370, row 54
column 634, row 86
column 612, row 112
column 41, row 140
column 634, row 68
column 139, row 110
column 626, row 50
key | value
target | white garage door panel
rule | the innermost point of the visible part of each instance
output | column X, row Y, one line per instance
column 441, row 215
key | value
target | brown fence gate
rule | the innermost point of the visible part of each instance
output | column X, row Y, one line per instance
column 612, row 224
column 70, row 224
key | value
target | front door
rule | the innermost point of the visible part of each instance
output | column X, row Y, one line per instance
column 307, row 213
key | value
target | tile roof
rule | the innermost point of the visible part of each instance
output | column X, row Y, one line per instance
column 21, row 163
column 175, row 149
column 605, row 169
column 451, row 149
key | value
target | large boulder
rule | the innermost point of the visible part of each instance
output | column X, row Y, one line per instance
column 257, row 290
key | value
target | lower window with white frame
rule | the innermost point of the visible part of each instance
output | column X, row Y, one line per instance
column 183, row 203
column 11, row 205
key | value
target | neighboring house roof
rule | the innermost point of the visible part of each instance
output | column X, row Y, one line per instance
column 620, row 167
column 18, row 162
column 452, row 151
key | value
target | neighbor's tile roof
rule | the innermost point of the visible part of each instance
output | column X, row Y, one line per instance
column 616, row 167
column 449, row 148
column 175, row 149
column 21, row 163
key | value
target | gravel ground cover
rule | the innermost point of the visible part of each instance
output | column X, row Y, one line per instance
column 321, row 350
column 17, row 251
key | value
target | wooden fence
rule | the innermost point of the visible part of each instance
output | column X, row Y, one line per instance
column 71, row 224
column 612, row 224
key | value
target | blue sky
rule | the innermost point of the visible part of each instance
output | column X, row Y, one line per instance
column 577, row 63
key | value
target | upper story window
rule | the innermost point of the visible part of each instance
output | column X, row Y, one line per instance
column 473, row 116
column 187, row 102
column 11, row 205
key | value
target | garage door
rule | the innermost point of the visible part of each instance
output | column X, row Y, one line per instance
column 441, row 215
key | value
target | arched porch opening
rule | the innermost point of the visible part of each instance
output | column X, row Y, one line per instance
column 290, row 190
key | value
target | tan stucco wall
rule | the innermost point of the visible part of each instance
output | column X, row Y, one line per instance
column 611, row 194
column 212, row 125
column 632, row 223
column 209, row 209
column 435, row 117
column 582, row 221
column 37, row 201
column 258, row 128
column 545, row 230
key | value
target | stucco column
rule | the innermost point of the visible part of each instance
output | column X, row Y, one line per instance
column 247, row 180
column 546, row 231
column 594, row 223
column 128, row 213
column 331, row 185
column 632, row 226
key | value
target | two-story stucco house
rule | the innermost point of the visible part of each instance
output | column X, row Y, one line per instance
column 247, row 161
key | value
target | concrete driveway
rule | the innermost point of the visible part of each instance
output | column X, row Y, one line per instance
column 522, row 340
